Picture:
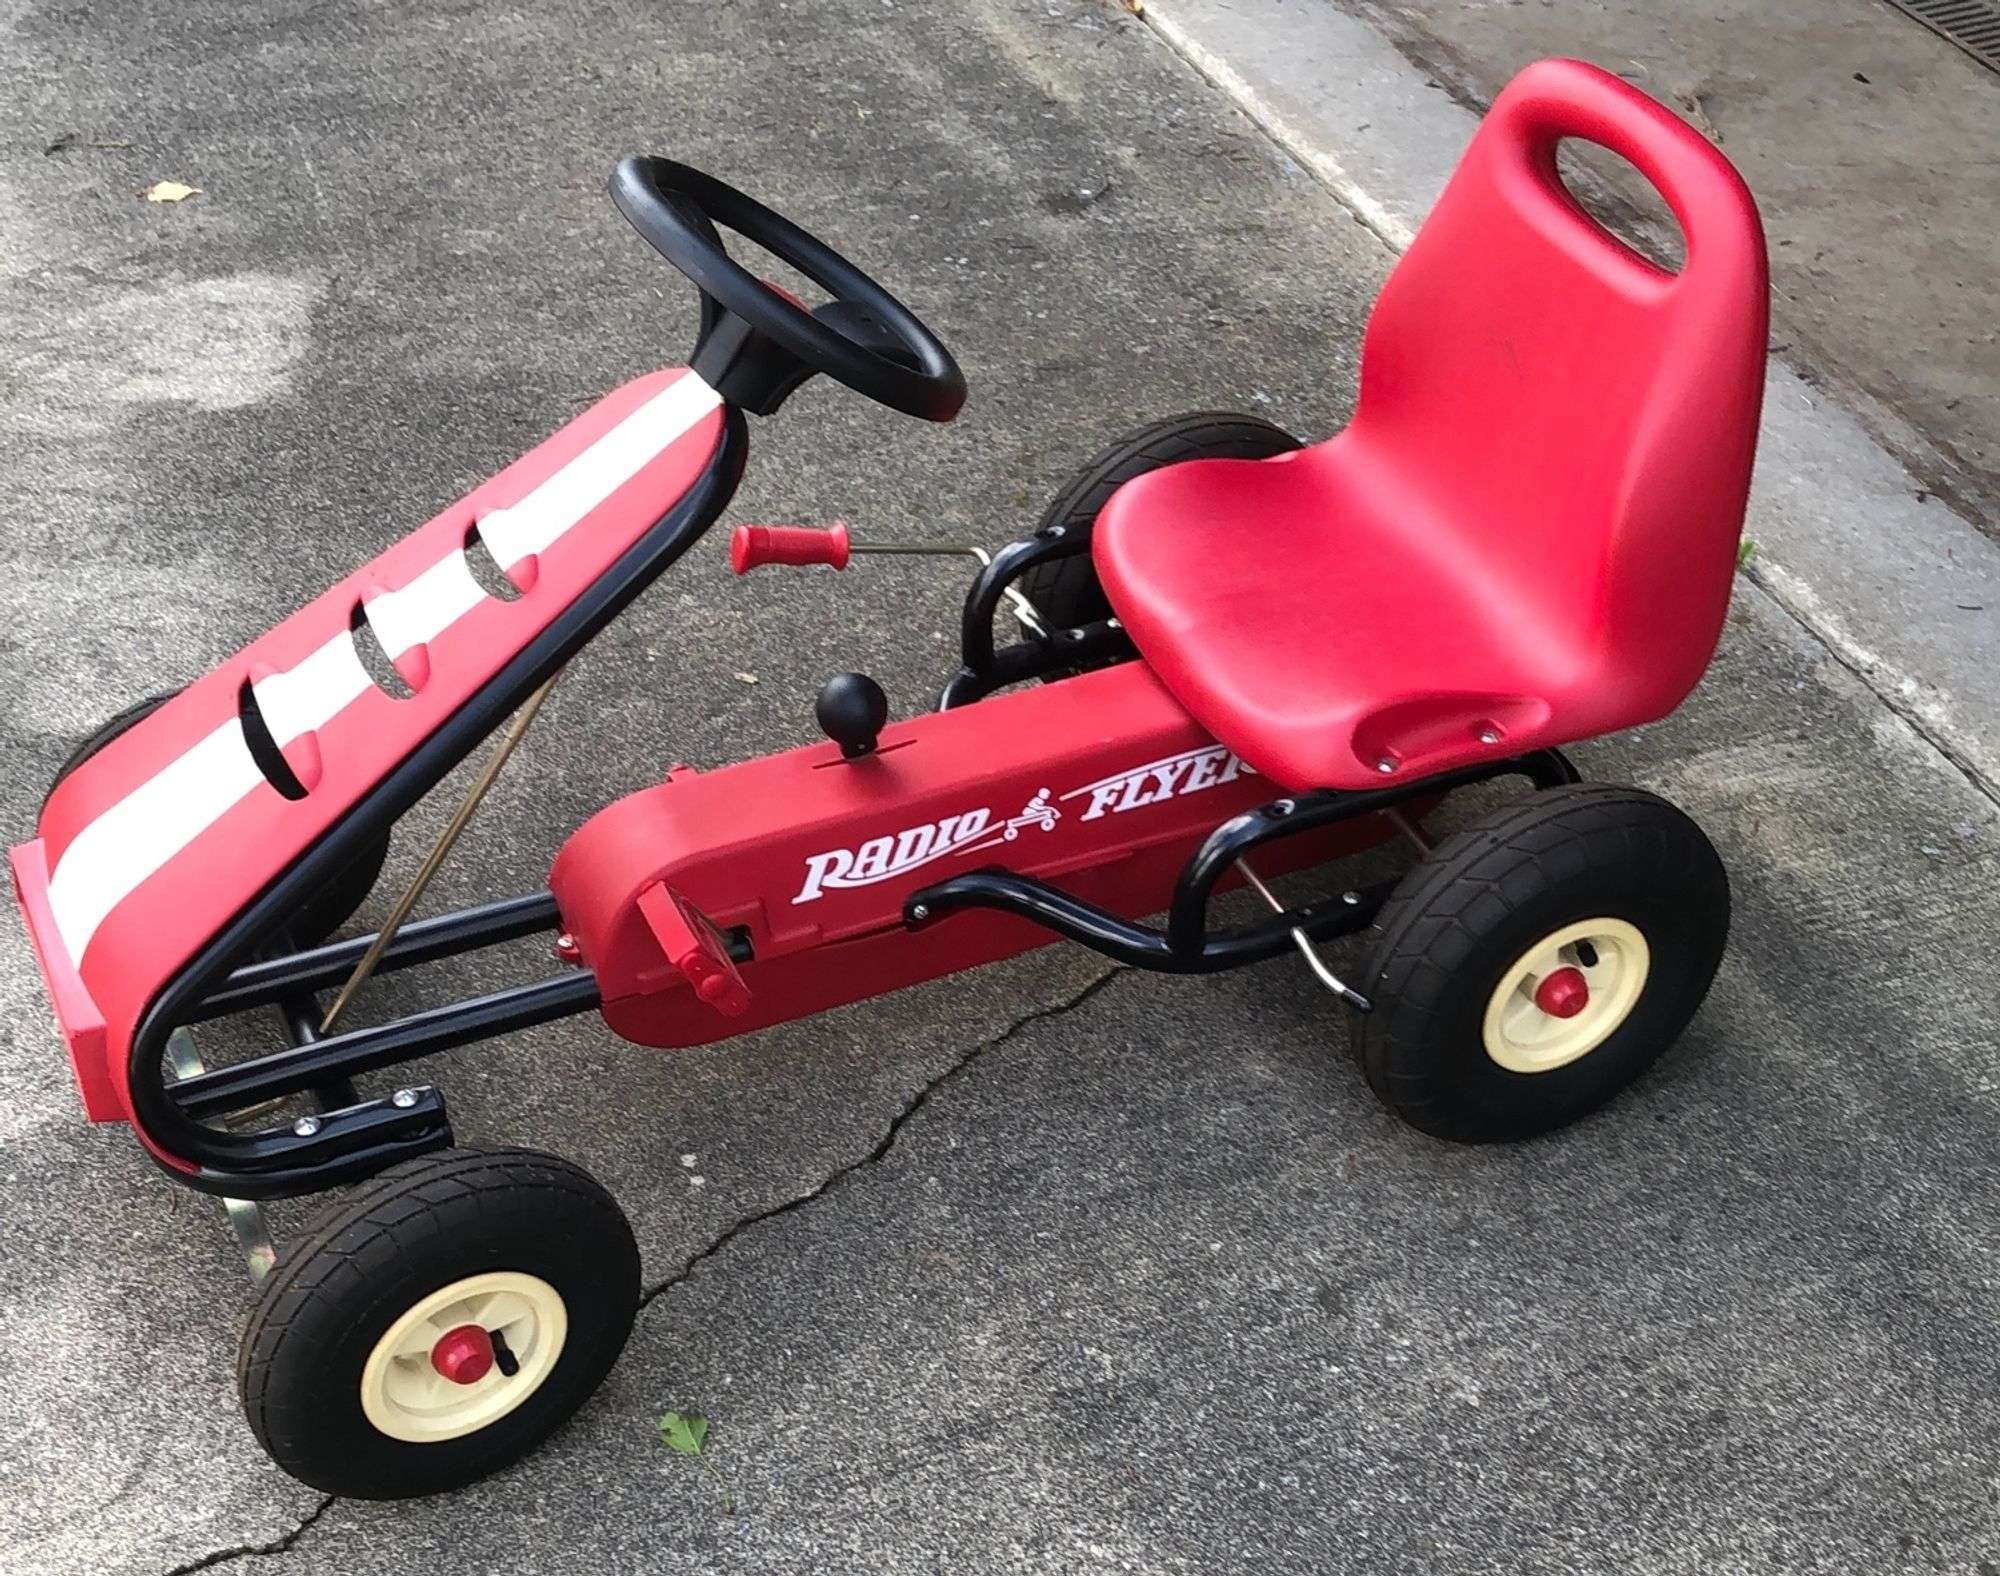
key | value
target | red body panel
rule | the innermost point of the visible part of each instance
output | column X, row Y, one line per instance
column 1527, row 534
column 1101, row 784
column 153, row 845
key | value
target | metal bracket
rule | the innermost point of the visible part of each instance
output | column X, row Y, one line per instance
column 246, row 1218
column 1307, row 950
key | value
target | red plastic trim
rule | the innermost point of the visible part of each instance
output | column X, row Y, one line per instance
column 77, row 1017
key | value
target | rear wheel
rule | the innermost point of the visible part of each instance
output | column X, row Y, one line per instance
column 1066, row 592
column 439, row 1324
column 1538, row 961
column 327, row 909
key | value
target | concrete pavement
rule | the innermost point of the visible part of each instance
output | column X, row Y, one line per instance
column 1040, row 1269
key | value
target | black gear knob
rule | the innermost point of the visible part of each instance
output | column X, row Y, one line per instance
column 851, row 710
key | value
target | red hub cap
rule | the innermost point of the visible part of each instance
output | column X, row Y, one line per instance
column 463, row 1355
column 1563, row 993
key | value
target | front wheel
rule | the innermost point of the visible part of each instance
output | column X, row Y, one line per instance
column 1538, row 961
column 439, row 1324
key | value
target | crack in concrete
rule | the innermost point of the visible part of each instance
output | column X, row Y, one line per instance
column 882, row 1146
column 252, row 1551
column 887, row 1142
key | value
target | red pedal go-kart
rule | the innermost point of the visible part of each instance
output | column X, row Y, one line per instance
column 1254, row 656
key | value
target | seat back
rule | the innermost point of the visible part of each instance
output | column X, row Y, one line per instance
column 1577, row 423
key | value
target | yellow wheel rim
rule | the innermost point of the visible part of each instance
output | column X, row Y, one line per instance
column 1613, row 960
column 404, row 1394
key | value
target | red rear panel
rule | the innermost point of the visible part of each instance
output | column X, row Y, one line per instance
column 154, row 844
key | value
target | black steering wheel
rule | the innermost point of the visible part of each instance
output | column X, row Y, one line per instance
column 864, row 336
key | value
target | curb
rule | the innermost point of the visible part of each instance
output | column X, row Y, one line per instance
column 1901, row 590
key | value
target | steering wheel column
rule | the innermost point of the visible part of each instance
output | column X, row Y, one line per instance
column 758, row 343
column 749, row 368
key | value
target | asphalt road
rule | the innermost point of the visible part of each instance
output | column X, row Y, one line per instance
column 1037, row 1269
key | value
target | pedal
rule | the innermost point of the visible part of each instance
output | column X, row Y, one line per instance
column 694, row 946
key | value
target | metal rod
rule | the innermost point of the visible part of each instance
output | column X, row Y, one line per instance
column 922, row 549
column 1024, row 610
column 1125, row 940
column 269, row 981
column 302, row 1019
column 1307, row 950
column 1422, row 840
column 434, row 861
column 384, row 1045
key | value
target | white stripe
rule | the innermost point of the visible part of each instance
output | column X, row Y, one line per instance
column 425, row 608
column 312, row 694
column 594, row 475
column 140, row 833
column 106, row 861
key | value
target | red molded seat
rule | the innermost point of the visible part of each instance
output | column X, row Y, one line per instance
column 1527, row 534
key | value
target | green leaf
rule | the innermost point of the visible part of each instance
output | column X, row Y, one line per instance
column 1745, row 551
column 684, row 1431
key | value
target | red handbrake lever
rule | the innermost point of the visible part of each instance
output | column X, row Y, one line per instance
column 694, row 946
column 752, row 545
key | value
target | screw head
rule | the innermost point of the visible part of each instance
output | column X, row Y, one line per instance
column 306, row 1126
column 403, row 1099
column 1489, row 735
column 1385, row 766
column 920, row 911
column 1351, row 899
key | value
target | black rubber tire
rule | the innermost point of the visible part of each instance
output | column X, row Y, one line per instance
column 1477, row 902
column 419, row 1226
column 330, row 907
column 1066, row 592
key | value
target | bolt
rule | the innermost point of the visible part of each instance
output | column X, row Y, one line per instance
column 306, row 1126
column 1385, row 766
column 403, row 1099
column 920, row 911
column 1489, row 735
column 1351, row 899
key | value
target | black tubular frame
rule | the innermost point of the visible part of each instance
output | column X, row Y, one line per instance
column 1186, row 945
column 272, row 981
column 983, row 668
column 346, row 1144
column 312, row 1063
column 241, row 968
